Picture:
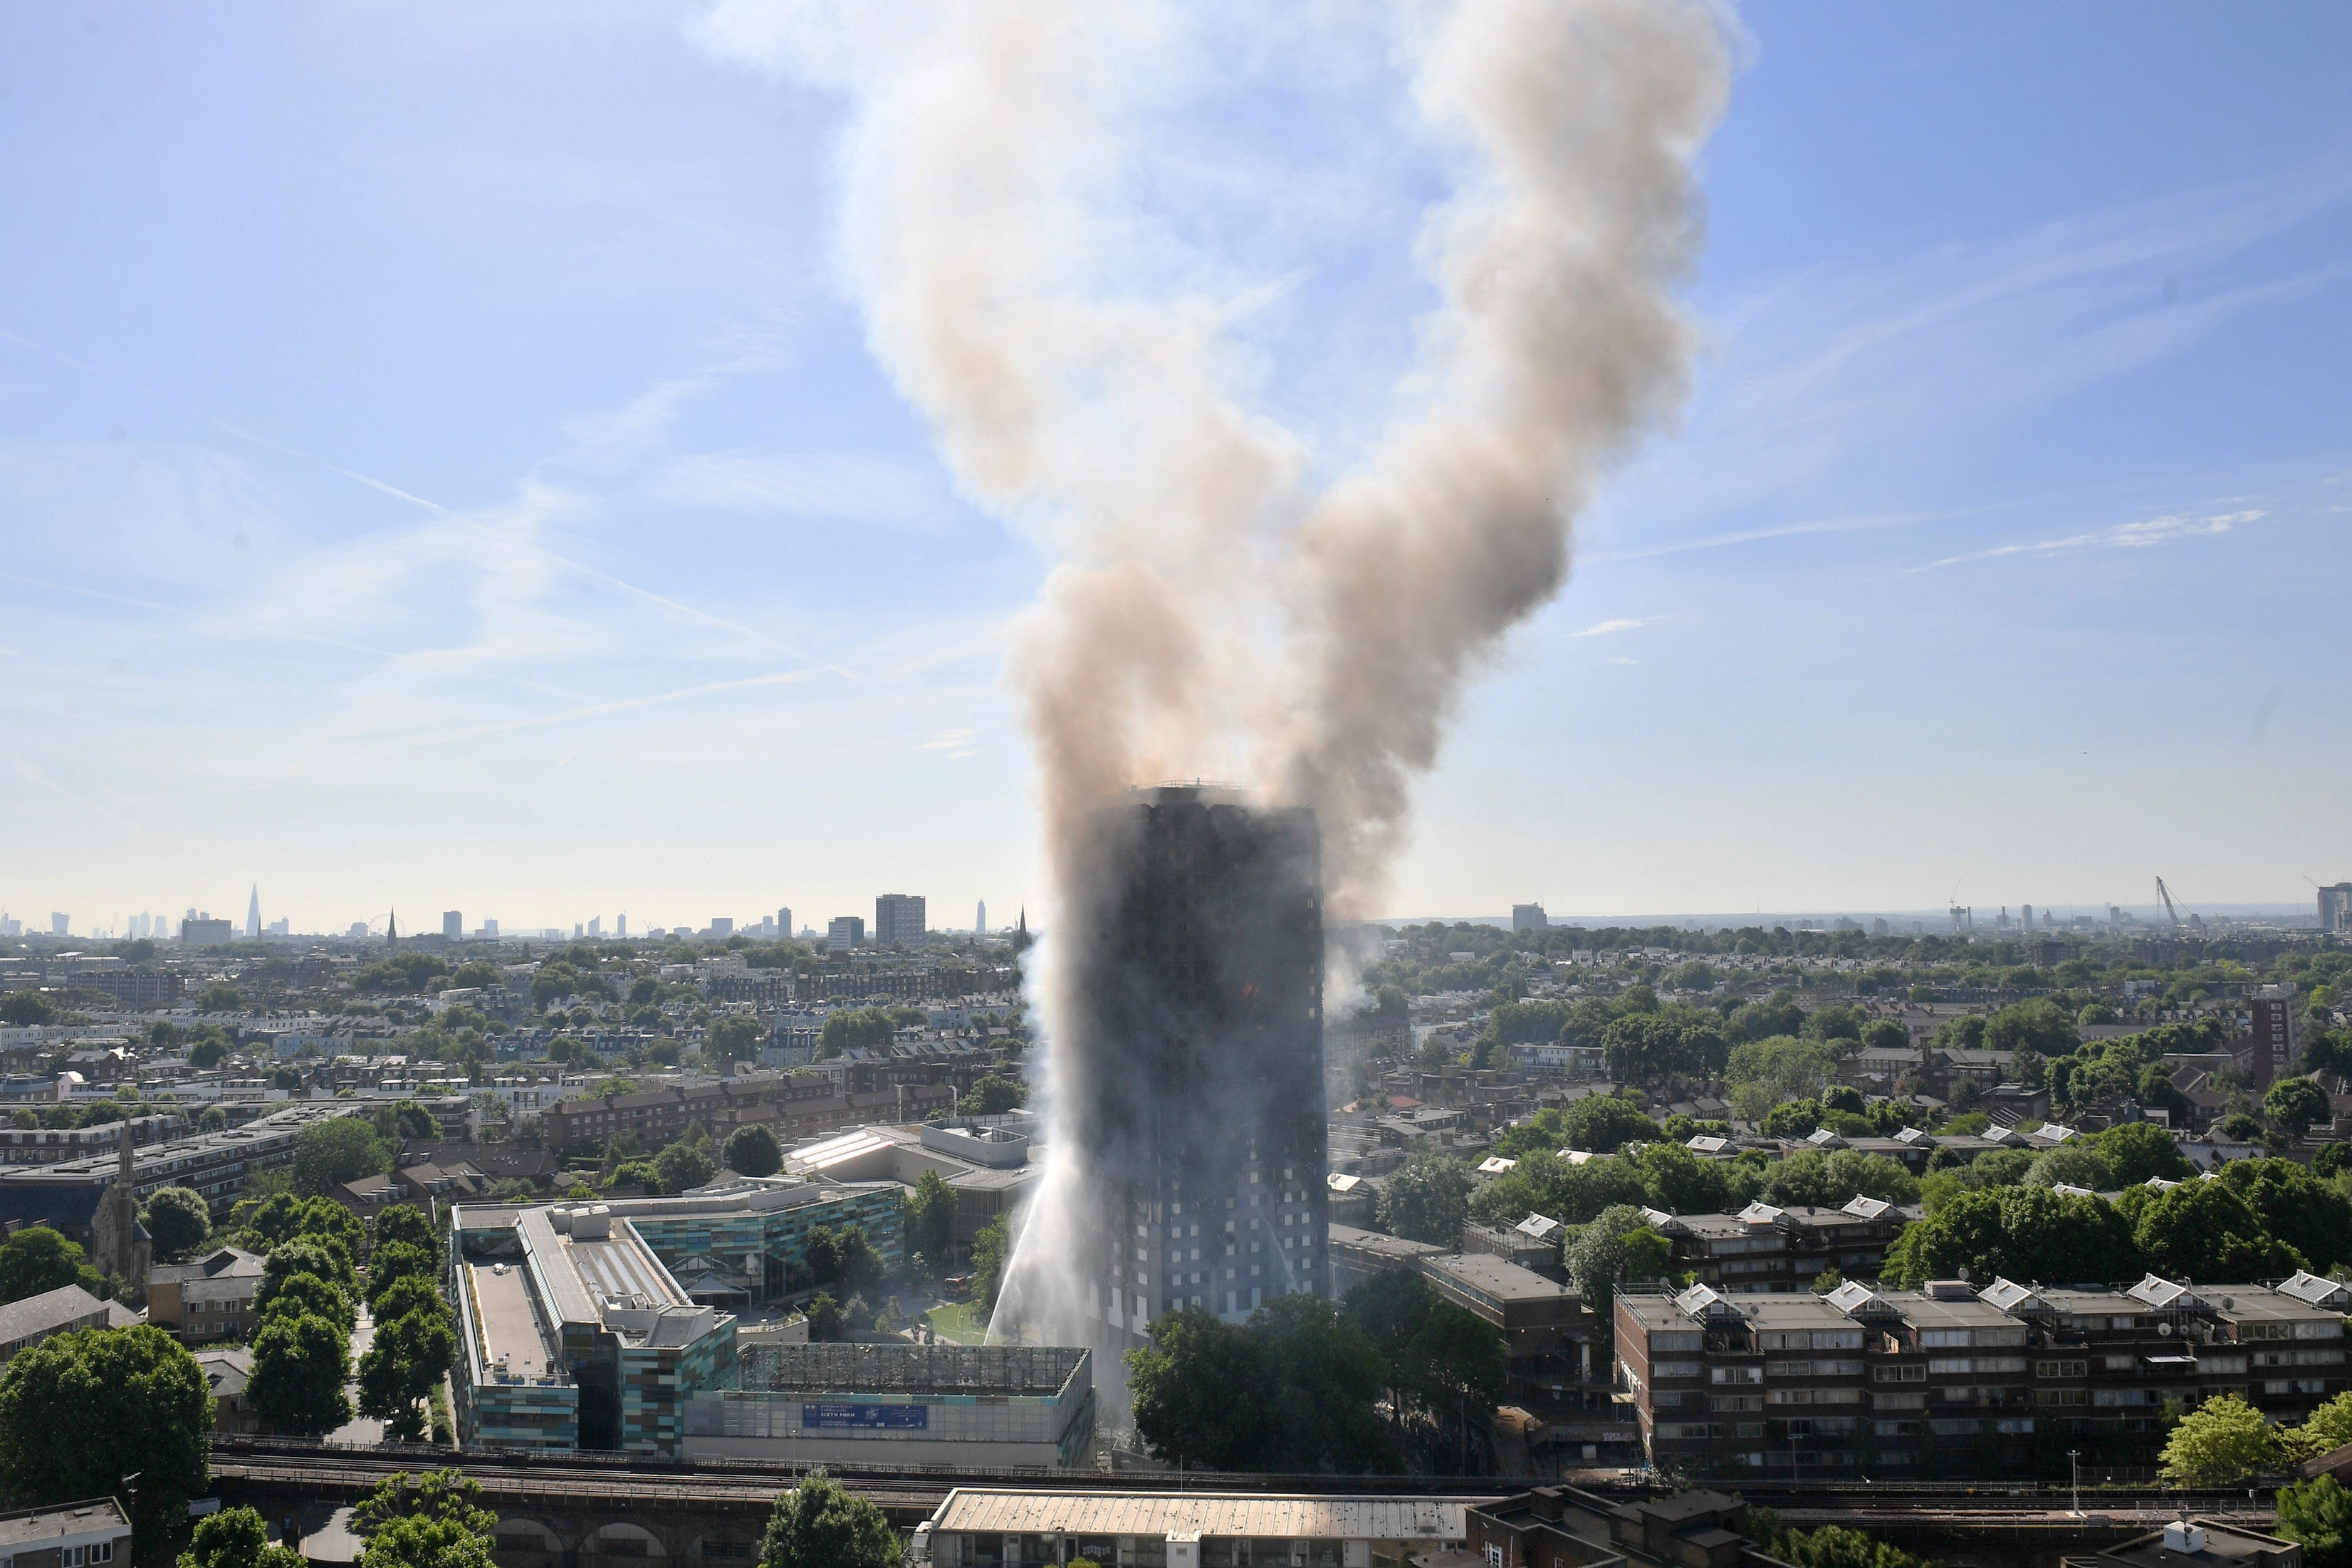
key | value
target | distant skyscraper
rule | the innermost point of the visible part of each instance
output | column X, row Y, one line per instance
column 784, row 924
column 1528, row 917
column 2335, row 907
column 357, row 933
column 253, row 915
column 489, row 927
column 844, row 932
column 979, row 920
column 620, row 924
column 453, row 923
column 596, row 925
column 898, row 920
column 59, row 924
column 722, row 926
column 2025, row 917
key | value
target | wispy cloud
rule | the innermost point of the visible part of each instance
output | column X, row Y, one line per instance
column 2141, row 535
column 945, row 740
column 836, row 485
column 1607, row 628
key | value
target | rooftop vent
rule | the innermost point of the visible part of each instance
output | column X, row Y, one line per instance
column 2182, row 1536
column 1949, row 1291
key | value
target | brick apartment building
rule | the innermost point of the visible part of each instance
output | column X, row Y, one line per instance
column 794, row 1108
column 1951, row 1381
column 1766, row 1248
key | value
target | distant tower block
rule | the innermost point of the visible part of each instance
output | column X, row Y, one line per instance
column 253, row 915
column 1528, row 917
column 980, row 919
column 453, row 923
column 898, row 920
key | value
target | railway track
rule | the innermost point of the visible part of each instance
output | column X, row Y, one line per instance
column 327, row 1470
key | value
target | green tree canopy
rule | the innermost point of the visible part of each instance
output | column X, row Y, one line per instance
column 820, row 1524
column 1832, row 1178
column 2136, row 1150
column 995, row 1096
column 39, row 1259
column 989, row 1250
column 81, row 1411
column 177, row 1219
column 2018, row 1233
column 931, row 1217
column 393, row 1262
column 2292, row 1104
column 851, row 1027
column 753, row 1150
column 404, row 1222
column 2040, row 1025
column 236, row 1538
column 300, row 1363
column 329, row 1154
column 736, row 1037
column 682, row 1167
column 2220, row 1442
column 2318, row 1514
column 1427, row 1197
column 404, row 1364
column 1605, row 1123
column 2206, row 1232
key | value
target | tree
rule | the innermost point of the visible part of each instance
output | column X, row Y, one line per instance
column 406, row 1225
column 393, row 1262
column 81, row 1411
column 1198, row 1392
column 2318, row 1515
column 1832, row 1178
column 2206, row 1232
column 2016, row 1233
column 2313, row 1217
column 205, row 1055
column 404, row 1364
column 993, row 1096
column 1427, row 1197
column 753, row 1150
column 1831, row 1547
column 1791, row 1119
column 305, row 1254
column 300, row 1362
column 840, row 1254
column 26, row 1009
column 236, row 1538
column 299, row 1294
column 853, row 1027
column 2220, row 1443
column 440, row 1497
column 682, row 1167
column 2075, row 1163
column 930, row 1217
column 737, row 1038
column 1389, row 1309
column 1456, row 1361
column 1598, row 1255
column 989, row 1250
column 2136, row 1150
column 2294, row 1104
column 2329, row 1427
column 426, row 1543
column 329, row 1154
column 1605, row 1123
column 824, row 1316
column 39, row 1259
column 2040, row 1025
column 820, row 1524
column 1764, row 1073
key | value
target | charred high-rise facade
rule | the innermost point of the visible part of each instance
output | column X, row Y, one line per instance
column 1194, row 1080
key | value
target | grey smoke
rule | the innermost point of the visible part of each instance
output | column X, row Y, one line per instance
column 1211, row 616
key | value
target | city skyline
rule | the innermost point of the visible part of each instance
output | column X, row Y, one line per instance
column 1986, row 550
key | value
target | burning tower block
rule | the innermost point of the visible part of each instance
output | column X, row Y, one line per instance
column 1195, row 1080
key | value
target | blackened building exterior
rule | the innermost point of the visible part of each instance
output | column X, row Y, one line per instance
column 1195, row 1067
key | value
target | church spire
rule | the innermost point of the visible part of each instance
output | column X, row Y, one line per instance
column 391, row 930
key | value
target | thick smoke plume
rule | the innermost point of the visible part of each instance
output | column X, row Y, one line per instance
column 1210, row 614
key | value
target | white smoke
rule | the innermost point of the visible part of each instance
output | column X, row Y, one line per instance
column 1211, row 615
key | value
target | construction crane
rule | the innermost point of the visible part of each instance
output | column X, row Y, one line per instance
column 2163, row 893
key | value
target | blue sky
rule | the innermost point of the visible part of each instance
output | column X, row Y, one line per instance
column 440, row 467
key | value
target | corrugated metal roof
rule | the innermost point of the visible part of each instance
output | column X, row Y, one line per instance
column 1209, row 1514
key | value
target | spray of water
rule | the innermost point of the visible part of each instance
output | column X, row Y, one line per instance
column 1211, row 613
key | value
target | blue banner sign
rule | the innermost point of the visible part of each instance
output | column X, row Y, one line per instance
column 868, row 1417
